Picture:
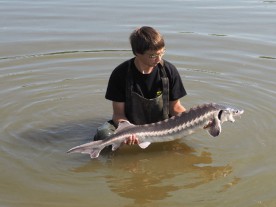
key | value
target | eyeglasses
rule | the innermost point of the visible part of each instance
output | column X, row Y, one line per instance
column 154, row 56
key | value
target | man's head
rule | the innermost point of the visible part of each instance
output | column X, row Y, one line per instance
column 146, row 39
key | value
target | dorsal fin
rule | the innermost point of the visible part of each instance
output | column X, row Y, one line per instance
column 123, row 125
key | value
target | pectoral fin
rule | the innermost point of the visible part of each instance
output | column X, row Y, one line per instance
column 144, row 145
column 214, row 128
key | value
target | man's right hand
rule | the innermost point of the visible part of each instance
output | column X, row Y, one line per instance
column 132, row 140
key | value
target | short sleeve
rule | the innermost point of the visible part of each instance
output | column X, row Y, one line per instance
column 116, row 88
column 177, row 89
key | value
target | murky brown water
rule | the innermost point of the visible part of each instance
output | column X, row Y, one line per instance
column 55, row 61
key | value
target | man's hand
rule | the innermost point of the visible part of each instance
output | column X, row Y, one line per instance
column 132, row 140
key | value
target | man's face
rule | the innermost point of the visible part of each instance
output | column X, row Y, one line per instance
column 151, row 57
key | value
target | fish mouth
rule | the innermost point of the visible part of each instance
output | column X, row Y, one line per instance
column 239, row 113
column 242, row 111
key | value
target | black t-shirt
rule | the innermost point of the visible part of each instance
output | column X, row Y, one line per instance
column 147, row 85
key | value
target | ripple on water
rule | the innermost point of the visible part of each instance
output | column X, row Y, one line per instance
column 56, row 101
column 45, row 97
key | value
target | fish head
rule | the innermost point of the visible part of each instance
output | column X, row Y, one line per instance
column 228, row 114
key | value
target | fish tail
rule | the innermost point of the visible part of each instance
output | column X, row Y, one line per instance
column 92, row 148
column 95, row 152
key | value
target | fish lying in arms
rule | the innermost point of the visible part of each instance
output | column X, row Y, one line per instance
column 207, row 116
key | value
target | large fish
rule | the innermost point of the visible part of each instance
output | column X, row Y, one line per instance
column 207, row 116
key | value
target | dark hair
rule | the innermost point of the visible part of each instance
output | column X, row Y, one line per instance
column 146, row 38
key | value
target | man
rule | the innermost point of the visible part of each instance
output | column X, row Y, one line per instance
column 144, row 89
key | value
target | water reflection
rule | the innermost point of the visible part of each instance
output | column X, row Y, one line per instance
column 157, row 172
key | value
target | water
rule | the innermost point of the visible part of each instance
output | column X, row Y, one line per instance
column 55, row 61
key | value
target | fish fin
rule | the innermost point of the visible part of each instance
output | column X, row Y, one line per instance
column 94, row 153
column 85, row 148
column 144, row 145
column 123, row 125
column 91, row 148
column 115, row 146
column 214, row 128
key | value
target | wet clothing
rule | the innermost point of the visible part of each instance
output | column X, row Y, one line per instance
column 145, row 86
column 146, row 96
column 142, row 110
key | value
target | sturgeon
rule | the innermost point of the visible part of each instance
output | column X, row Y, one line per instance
column 207, row 116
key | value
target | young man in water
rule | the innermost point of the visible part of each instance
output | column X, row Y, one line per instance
column 144, row 89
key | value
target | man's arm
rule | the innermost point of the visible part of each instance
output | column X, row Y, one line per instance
column 176, row 107
column 118, row 116
column 118, row 112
